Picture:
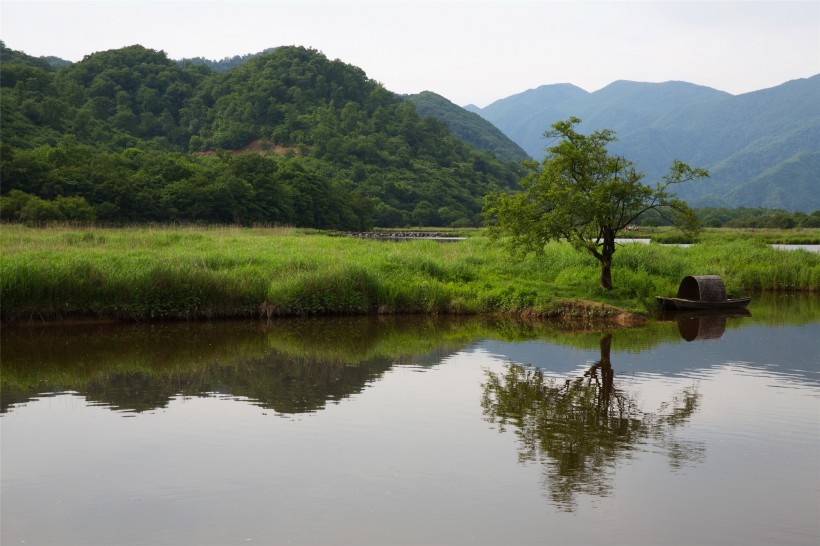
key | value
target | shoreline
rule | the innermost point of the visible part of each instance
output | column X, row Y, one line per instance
column 566, row 311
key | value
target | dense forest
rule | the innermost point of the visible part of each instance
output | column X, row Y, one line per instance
column 283, row 137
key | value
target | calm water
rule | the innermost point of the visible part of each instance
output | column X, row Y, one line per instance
column 808, row 248
column 407, row 431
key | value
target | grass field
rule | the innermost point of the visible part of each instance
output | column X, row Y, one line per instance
column 148, row 273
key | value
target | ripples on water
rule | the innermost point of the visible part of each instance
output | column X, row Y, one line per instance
column 417, row 432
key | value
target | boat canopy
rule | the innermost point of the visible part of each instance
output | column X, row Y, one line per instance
column 702, row 288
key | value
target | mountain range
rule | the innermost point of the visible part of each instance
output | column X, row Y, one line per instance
column 142, row 137
column 762, row 149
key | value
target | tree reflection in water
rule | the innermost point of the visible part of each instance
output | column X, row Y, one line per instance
column 581, row 428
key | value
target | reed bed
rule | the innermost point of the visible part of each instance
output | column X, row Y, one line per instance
column 195, row 273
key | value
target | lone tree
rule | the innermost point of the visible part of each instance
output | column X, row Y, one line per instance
column 583, row 194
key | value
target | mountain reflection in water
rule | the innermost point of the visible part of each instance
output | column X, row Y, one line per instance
column 289, row 366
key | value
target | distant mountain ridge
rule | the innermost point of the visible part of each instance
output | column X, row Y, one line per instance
column 760, row 148
column 468, row 126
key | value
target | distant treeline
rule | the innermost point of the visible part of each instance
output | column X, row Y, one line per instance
column 74, row 182
column 743, row 218
column 283, row 137
column 225, row 64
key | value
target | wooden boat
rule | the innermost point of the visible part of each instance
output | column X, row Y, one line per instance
column 702, row 292
column 682, row 304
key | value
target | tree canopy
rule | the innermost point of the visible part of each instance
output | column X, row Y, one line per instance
column 586, row 196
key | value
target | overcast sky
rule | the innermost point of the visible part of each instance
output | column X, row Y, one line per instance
column 468, row 51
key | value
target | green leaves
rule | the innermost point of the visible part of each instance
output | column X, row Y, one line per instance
column 584, row 195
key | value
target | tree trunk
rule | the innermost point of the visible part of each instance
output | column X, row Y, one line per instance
column 606, row 259
column 607, row 382
column 605, row 344
column 606, row 273
column 607, row 373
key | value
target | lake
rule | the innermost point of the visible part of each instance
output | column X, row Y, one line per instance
column 401, row 430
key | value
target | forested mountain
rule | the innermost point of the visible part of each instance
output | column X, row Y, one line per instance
column 760, row 148
column 287, row 136
column 17, row 59
column 56, row 62
column 225, row 64
column 468, row 126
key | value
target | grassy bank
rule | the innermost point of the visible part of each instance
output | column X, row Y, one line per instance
column 143, row 273
column 670, row 235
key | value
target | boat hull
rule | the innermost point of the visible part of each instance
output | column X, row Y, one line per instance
column 684, row 304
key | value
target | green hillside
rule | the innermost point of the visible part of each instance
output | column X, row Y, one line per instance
column 791, row 185
column 742, row 140
column 285, row 137
column 468, row 126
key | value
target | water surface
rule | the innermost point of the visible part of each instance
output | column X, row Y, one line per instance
column 414, row 431
column 810, row 248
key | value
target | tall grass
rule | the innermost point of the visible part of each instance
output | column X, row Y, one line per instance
column 144, row 273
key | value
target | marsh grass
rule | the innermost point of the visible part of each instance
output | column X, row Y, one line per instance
column 153, row 273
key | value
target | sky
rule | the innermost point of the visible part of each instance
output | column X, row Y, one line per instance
column 467, row 51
